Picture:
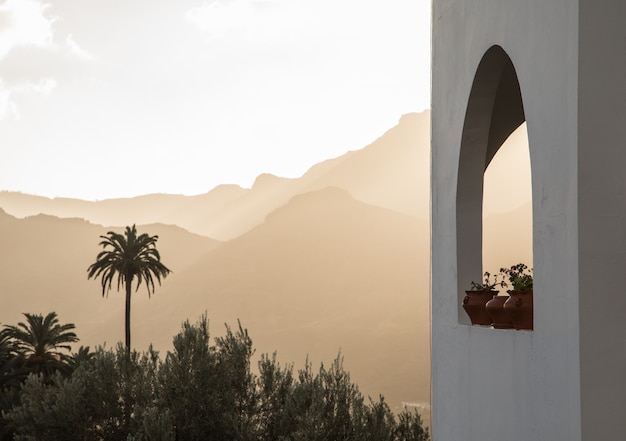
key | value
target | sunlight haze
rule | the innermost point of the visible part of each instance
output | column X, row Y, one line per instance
column 116, row 99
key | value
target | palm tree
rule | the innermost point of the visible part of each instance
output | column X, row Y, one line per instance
column 38, row 341
column 129, row 257
column 8, row 357
column 7, row 346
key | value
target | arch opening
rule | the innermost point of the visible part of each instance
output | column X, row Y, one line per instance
column 507, row 208
column 494, row 111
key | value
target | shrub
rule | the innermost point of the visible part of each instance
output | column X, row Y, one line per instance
column 201, row 391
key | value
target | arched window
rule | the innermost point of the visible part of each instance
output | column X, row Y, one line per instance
column 494, row 111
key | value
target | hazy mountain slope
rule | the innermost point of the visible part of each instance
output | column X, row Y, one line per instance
column 391, row 172
column 507, row 238
column 43, row 268
column 267, row 193
column 323, row 273
column 180, row 210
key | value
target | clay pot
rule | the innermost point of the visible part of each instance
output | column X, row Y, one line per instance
column 495, row 309
column 474, row 305
column 520, row 308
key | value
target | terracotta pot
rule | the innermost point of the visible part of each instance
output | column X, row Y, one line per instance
column 495, row 308
column 474, row 305
column 520, row 308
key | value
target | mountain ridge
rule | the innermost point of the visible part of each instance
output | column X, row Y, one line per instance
column 228, row 210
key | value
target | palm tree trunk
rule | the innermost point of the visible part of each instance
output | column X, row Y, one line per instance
column 127, row 393
column 129, row 281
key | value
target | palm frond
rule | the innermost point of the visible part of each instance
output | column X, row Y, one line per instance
column 39, row 339
column 127, row 257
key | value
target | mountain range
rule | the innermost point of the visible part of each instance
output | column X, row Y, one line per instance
column 383, row 174
column 336, row 261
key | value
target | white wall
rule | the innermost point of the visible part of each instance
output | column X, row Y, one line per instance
column 504, row 384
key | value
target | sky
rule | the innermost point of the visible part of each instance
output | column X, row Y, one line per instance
column 116, row 98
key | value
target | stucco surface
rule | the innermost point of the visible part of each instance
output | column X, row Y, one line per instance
column 518, row 385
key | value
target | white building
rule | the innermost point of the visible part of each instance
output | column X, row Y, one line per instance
column 559, row 65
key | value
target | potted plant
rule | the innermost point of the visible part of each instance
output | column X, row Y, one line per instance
column 478, row 296
column 520, row 304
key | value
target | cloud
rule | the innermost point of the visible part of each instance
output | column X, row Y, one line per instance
column 76, row 50
column 32, row 57
column 8, row 105
column 24, row 24
column 45, row 86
